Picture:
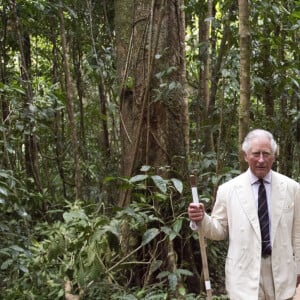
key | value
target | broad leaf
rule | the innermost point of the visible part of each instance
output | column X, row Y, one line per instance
column 177, row 225
column 145, row 168
column 160, row 183
column 149, row 235
column 177, row 184
column 3, row 191
column 138, row 178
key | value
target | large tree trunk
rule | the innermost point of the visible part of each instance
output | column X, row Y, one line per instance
column 154, row 112
column 244, row 32
column 154, row 119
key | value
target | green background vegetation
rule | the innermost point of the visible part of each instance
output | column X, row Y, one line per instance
column 62, row 238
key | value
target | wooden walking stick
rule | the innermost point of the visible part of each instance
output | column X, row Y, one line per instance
column 201, row 242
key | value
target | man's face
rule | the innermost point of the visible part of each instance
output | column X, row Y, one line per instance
column 260, row 157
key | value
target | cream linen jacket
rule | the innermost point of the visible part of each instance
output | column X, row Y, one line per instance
column 235, row 216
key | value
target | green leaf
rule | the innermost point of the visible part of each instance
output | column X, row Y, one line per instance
column 145, row 168
column 182, row 291
column 5, row 251
column 113, row 227
column 172, row 85
column 162, row 274
column 16, row 248
column 129, row 82
column 3, row 191
column 177, row 225
column 161, row 196
column 24, row 269
column 184, row 272
column 149, row 235
column 296, row 14
column 172, row 235
column 4, row 174
column 109, row 178
column 160, row 183
column 74, row 215
column 167, row 230
column 6, row 264
column 276, row 9
column 138, row 178
column 173, row 280
column 129, row 297
column 155, row 265
column 177, row 184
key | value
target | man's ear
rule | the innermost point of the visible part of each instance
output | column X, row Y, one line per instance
column 245, row 156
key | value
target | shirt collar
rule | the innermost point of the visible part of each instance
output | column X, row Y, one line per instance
column 254, row 179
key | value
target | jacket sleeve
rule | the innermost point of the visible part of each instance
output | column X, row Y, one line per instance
column 296, row 228
column 215, row 227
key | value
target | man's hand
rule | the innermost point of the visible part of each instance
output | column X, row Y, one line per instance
column 196, row 212
column 298, row 280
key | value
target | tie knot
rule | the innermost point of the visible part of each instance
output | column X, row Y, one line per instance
column 260, row 181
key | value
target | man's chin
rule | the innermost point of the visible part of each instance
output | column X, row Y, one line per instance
column 261, row 173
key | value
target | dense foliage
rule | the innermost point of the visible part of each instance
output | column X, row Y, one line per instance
column 60, row 226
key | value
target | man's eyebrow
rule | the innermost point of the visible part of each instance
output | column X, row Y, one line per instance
column 262, row 152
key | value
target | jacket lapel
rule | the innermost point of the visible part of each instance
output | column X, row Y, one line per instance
column 277, row 201
column 245, row 194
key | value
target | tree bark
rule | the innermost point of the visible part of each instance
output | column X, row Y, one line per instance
column 154, row 119
column 70, row 105
column 58, row 126
column 30, row 141
column 5, row 110
column 204, row 73
column 154, row 112
column 244, row 109
column 104, row 133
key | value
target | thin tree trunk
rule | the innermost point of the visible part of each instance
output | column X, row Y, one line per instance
column 3, row 66
column 104, row 135
column 77, row 62
column 244, row 32
column 31, row 149
column 70, row 105
column 5, row 111
column 58, row 123
column 286, row 135
column 204, row 73
column 267, row 71
column 105, row 145
column 211, row 74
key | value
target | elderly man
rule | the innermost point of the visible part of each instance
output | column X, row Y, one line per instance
column 259, row 211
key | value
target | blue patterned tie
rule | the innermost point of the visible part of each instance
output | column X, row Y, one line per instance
column 263, row 216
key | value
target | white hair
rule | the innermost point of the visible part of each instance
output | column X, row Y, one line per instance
column 259, row 133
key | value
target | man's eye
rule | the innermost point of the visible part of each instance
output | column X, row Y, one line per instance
column 264, row 154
